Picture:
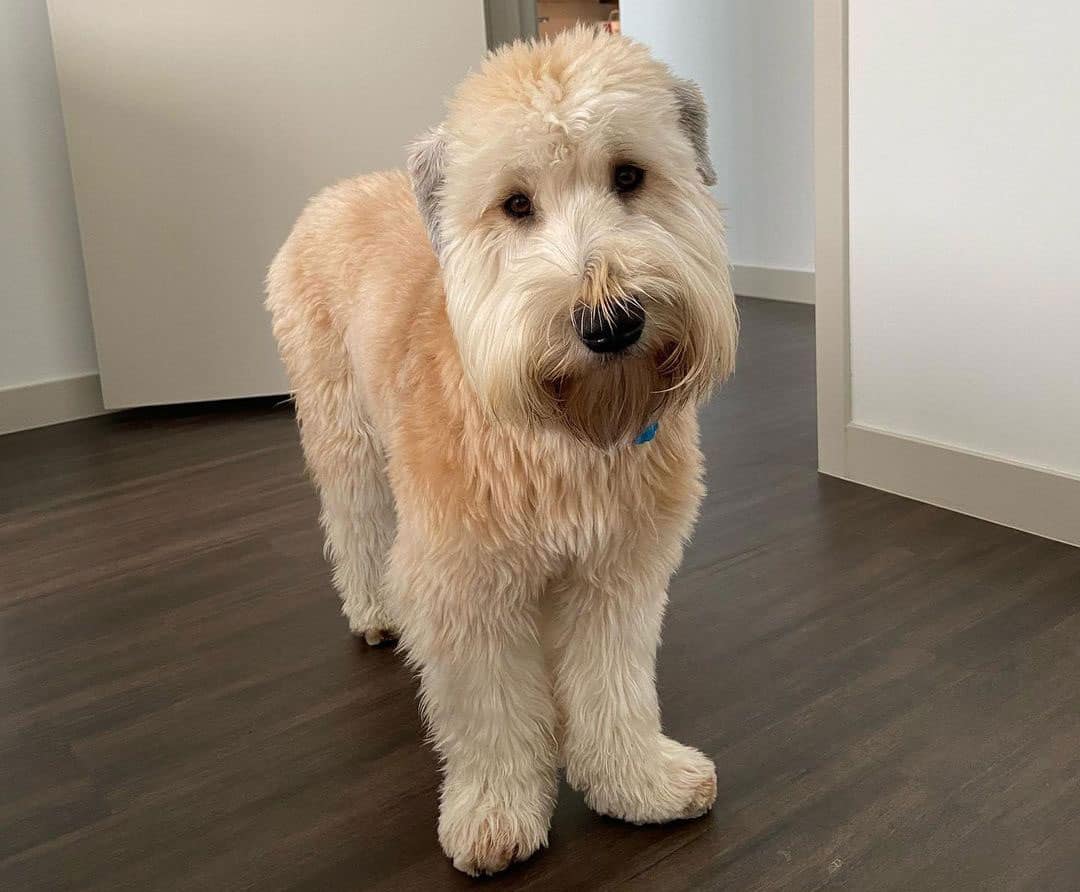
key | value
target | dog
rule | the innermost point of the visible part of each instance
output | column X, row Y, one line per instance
column 497, row 359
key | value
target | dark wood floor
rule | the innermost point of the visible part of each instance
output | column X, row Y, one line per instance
column 891, row 692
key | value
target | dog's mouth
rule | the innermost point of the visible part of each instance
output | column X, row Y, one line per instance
column 665, row 360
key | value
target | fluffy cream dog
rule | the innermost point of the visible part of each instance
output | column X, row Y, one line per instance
column 479, row 351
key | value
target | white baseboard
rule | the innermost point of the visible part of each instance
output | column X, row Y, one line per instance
column 793, row 285
column 50, row 402
column 1035, row 500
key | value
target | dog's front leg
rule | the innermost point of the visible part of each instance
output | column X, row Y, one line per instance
column 469, row 623
column 607, row 629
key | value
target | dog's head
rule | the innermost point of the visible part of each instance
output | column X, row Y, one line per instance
column 582, row 254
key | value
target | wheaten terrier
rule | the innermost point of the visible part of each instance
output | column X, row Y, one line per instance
column 497, row 360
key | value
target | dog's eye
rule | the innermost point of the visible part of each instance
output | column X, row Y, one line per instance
column 627, row 177
column 518, row 205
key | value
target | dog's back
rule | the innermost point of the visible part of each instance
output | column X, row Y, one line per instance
column 345, row 289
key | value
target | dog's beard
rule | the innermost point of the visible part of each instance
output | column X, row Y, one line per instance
column 611, row 401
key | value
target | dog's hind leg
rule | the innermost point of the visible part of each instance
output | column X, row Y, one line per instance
column 358, row 518
column 342, row 450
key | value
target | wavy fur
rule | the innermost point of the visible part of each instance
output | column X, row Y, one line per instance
column 480, row 491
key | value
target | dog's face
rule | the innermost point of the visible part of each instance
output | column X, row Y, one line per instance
column 582, row 254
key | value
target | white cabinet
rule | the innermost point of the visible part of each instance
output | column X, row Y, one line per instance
column 197, row 129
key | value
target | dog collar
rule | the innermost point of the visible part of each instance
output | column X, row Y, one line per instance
column 646, row 435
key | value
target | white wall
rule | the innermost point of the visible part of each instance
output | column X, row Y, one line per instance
column 45, row 330
column 754, row 61
column 695, row 38
column 772, row 186
column 964, row 224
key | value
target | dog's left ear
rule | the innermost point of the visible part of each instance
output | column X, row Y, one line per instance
column 694, row 120
column 426, row 163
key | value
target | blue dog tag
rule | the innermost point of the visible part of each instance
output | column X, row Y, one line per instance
column 646, row 435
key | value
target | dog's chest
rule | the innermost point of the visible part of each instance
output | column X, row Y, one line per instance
column 577, row 503
column 546, row 497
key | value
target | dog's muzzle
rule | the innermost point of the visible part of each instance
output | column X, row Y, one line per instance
column 610, row 329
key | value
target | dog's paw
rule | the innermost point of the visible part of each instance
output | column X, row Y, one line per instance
column 375, row 637
column 677, row 783
column 491, row 843
column 486, row 840
column 369, row 621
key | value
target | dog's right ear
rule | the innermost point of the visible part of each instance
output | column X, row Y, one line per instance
column 426, row 162
column 694, row 120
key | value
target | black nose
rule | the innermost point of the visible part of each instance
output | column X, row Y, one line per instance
column 610, row 328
